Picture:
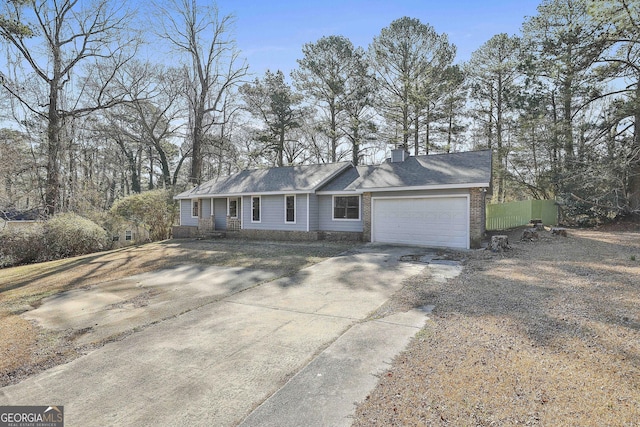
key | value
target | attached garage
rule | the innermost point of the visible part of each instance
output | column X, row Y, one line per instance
column 439, row 221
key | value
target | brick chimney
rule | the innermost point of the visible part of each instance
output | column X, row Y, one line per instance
column 399, row 155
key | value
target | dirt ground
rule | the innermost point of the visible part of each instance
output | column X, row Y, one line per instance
column 26, row 348
column 546, row 333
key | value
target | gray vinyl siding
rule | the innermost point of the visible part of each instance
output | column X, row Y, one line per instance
column 314, row 224
column 326, row 221
column 185, row 213
column 206, row 207
column 272, row 213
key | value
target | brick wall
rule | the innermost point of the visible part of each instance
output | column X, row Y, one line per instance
column 279, row 235
column 477, row 218
column 366, row 217
column 184, row 231
column 206, row 224
column 275, row 235
column 233, row 224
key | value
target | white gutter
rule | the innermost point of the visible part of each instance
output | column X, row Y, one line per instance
column 406, row 188
column 253, row 193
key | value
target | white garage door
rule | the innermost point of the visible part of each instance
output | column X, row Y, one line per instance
column 428, row 221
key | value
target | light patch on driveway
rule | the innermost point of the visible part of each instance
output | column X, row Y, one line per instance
column 109, row 309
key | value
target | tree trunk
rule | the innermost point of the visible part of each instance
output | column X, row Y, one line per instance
column 416, row 134
column 135, row 177
column 499, row 149
column 281, row 148
column 334, row 134
column 634, row 173
column 450, row 129
column 405, row 119
column 166, row 172
column 355, row 156
column 427, row 135
column 196, row 150
column 150, row 168
column 53, row 148
column 566, row 125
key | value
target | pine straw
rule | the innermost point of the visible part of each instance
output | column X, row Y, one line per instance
column 547, row 333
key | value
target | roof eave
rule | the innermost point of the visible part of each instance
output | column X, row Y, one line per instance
column 330, row 192
column 425, row 187
column 248, row 193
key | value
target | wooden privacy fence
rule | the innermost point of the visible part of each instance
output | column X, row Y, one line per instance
column 515, row 214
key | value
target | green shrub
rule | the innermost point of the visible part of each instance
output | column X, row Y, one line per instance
column 21, row 246
column 154, row 210
column 62, row 236
column 69, row 234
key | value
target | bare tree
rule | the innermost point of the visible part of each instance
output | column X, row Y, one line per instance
column 18, row 184
column 211, row 63
column 157, row 114
column 67, row 34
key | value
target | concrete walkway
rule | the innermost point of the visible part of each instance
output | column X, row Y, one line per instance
column 292, row 351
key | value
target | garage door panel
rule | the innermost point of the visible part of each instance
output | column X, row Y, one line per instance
column 438, row 221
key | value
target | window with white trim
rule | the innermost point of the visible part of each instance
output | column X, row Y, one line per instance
column 195, row 208
column 255, row 209
column 290, row 208
column 346, row 207
column 128, row 235
column 232, row 207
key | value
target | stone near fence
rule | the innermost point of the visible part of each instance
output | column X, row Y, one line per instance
column 536, row 224
column 499, row 243
column 530, row 234
column 559, row 231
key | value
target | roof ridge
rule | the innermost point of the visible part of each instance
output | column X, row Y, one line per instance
column 283, row 167
column 449, row 154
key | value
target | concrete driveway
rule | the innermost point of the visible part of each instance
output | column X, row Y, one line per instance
column 229, row 346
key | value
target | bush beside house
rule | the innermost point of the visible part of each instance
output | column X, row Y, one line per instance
column 150, row 214
column 62, row 236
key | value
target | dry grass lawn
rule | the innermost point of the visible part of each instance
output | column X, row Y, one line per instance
column 547, row 333
column 26, row 349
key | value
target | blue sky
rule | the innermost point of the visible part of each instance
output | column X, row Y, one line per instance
column 271, row 34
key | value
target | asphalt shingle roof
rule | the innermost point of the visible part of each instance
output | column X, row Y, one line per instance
column 350, row 179
column 306, row 178
column 436, row 170
column 472, row 167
